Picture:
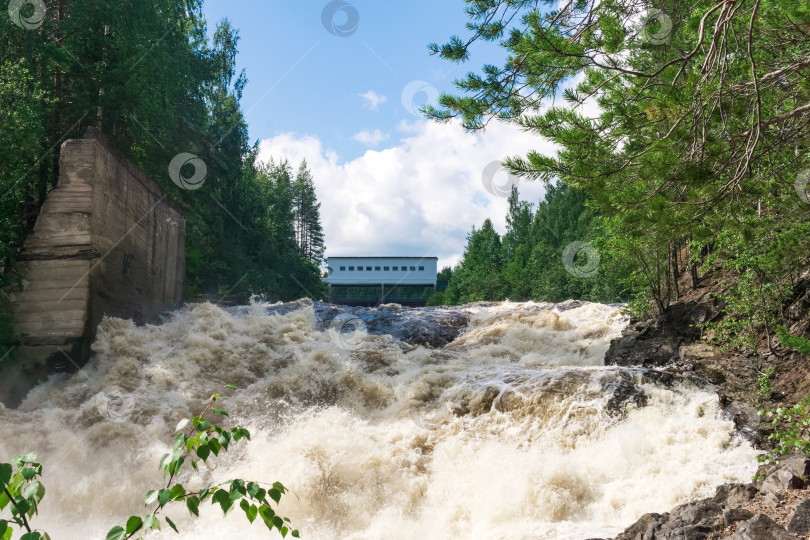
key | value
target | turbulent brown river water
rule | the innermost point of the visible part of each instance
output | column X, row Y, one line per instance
column 493, row 421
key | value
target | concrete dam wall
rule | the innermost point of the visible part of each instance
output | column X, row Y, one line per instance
column 108, row 242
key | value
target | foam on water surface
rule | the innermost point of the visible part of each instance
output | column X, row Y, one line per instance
column 513, row 429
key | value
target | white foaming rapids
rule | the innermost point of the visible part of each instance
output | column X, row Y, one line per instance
column 514, row 430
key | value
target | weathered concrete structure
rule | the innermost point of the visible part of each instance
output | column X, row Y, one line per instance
column 108, row 241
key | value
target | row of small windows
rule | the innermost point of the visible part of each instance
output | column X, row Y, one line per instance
column 384, row 269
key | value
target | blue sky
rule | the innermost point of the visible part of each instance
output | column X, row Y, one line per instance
column 382, row 172
column 304, row 79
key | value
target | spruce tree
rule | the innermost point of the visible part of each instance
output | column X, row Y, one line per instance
column 308, row 229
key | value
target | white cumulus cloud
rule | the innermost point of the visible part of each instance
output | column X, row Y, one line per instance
column 419, row 197
column 373, row 100
column 370, row 138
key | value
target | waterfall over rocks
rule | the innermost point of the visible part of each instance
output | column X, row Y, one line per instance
column 494, row 420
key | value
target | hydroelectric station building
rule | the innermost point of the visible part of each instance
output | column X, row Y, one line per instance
column 370, row 281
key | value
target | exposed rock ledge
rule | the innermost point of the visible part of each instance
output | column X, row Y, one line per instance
column 776, row 509
column 676, row 342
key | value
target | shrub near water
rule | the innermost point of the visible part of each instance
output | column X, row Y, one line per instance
column 197, row 439
column 798, row 343
column 791, row 425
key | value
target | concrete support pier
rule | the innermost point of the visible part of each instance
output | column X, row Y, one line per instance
column 108, row 241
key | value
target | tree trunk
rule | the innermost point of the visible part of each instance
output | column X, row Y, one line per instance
column 659, row 305
column 693, row 272
column 673, row 259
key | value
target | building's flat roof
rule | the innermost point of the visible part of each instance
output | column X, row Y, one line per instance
column 417, row 257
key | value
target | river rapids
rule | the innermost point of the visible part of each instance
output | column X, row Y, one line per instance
column 487, row 421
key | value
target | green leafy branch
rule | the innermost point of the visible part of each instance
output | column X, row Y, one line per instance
column 23, row 491
column 791, row 430
column 798, row 343
column 764, row 379
column 199, row 442
column 196, row 439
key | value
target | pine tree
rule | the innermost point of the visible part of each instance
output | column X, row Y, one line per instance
column 700, row 141
column 307, row 212
column 478, row 275
column 517, row 248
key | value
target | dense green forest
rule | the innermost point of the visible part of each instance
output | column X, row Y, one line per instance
column 700, row 142
column 531, row 260
column 152, row 80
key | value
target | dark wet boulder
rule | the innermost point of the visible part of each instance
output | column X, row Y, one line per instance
column 692, row 521
column 658, row 342
column 433, row 327
column 622, row 393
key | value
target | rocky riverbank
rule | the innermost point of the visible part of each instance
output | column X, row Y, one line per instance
column 776, row 508
column 778, row 505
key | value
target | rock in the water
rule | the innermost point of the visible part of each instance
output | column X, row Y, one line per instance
column 624, row 392
column 735, row 515
column 761, row 527
column 657, row 343
column 800, row 519
column 745, row 417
